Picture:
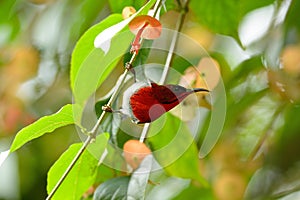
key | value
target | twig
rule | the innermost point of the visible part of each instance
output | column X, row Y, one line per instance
column 179, row 3
column 79, row 153
column 157, row 6
column 169, row 59
column 93, row 132
column 172, row 47
column 265, row 135
column 286, row 192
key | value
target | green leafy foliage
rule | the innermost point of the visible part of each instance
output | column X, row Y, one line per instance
column 193, row 191
column 169, row 5
column 287, row 141
column 84, row 67
column 174, row 148
column 262, row 109
column 44, row 125
column 242, row 71
column 224, row 16
column 250, row 131
column 84, row 52
column 115, row 188
column 292, row 14
column 82, row 175
column 88, row 10
column 9, row 19
column 105, row 173
column 140, row 178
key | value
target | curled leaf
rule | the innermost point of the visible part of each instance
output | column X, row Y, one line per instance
column 152, row 27
column 103, row 39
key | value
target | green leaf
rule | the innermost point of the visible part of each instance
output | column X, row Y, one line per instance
column 90, row 66
column 82, row 175
column 241, row 72
column 85, row 53
column 174, row 148
column 220, row 15
column 292, row 17
column 254, row 125
column 246, row 6
column 192, row 191
column 9, row 19
column 169, row 186
column 224, row 16
column 284, row 154
column 114, row 158
column 169, row 5
column 115, row 188
column 88, row 11
column 9, row 9
column 105, row 173
column 44, row 125
column 238, row 108
column 139, row 179
column 180, row 64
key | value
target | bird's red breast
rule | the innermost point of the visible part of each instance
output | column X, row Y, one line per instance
column 147, row 104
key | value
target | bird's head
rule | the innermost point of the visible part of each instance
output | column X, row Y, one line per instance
column 167, row 94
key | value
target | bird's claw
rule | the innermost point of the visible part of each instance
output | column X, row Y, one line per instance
column 107, row 108
column 128, row 66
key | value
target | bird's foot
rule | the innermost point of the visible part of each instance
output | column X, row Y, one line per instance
column 130, row 68
column 107, row 108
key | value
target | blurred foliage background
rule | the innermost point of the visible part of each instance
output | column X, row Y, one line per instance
column 256, row 44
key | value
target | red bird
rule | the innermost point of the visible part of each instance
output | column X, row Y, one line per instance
column 145, row 103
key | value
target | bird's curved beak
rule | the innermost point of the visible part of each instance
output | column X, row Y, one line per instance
column 200, row 90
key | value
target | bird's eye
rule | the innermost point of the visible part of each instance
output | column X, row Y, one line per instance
column 176, row 88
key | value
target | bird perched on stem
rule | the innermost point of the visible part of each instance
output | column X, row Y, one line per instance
column 145, row 103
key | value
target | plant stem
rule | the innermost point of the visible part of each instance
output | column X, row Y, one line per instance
column 179, row 3
column 79, row 153
column 93, row 132
column 156, row 7
column 286, row 192
column 169, row 59
column 172, row 48
column 266, row 133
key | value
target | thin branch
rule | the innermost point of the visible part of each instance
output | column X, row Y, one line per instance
column 266, row 134
column 156, row 7
column 144, row 132
column 63, row 177
column 93, row 132
column 179, row 3
column 172, row 48
column 169, row 59
column 285, row 192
